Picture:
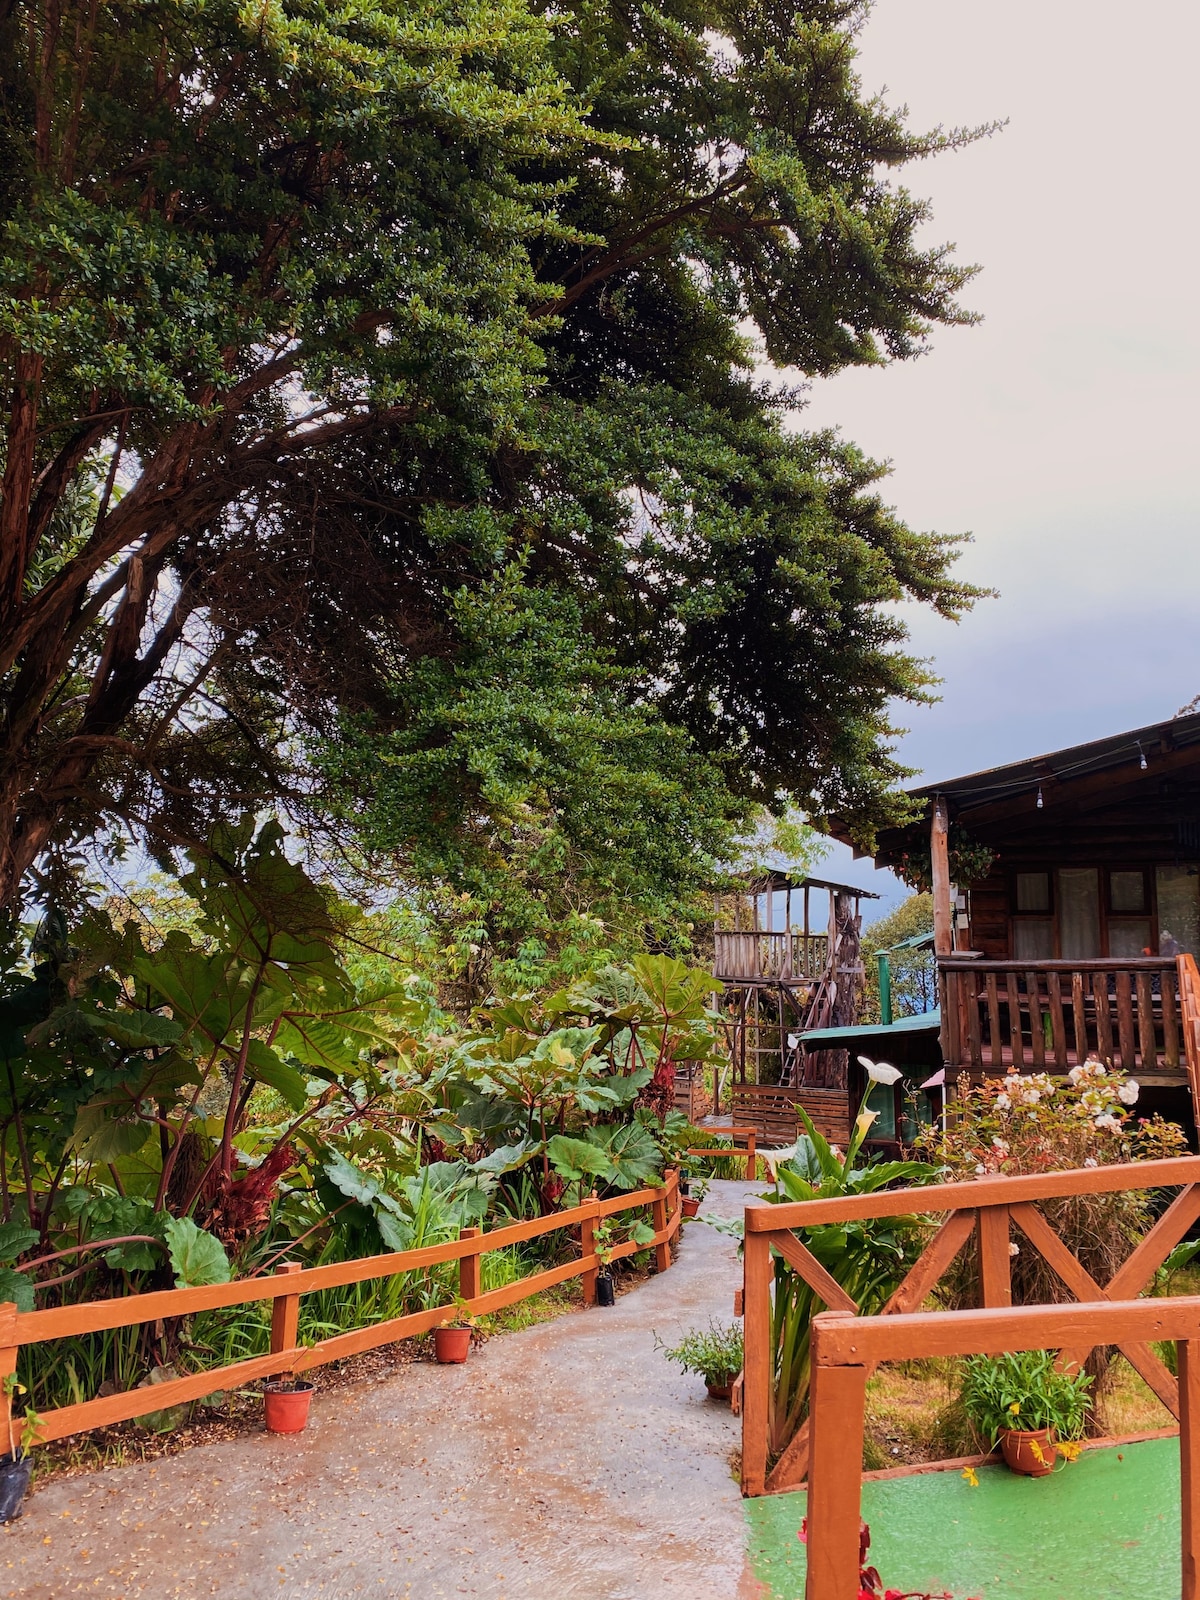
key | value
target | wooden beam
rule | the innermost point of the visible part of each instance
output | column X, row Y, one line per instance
column 939, row 853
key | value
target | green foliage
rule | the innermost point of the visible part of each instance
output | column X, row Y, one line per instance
column 714, row 1353
column 914, row 979
column 196, row 1257
column 1023, row 1389
column 533, row 511
column 868, row 1258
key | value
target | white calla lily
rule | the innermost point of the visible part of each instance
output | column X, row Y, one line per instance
column 880, row 1071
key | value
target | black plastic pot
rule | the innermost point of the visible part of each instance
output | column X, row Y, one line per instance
column 14, row 1481
column 685, row 1184
column 605, row 1294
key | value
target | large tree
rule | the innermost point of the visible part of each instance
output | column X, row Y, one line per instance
column 315, row 320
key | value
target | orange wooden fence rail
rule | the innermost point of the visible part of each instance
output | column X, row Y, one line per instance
column 751, row 1137
column 290, row 1281
column 846, row 1350
column 985, row 1208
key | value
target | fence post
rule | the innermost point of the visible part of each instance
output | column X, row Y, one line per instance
column 9, row 1350
column 752, row 1155
column 756, row 1359
column 662, row 1250
column 836, row 1410
column 469, row 1274
column 285, row 1314
column 587, row 1247
column 995, row 1258
column 1188, row 1353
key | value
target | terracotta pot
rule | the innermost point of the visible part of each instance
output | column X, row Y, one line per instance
column 286, row 1409
column 1029, row 1451
column 451, row 1344
column 719, row 1391
column 690, row 1205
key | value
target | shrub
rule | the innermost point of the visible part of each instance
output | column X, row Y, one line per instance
column 1022, row 1389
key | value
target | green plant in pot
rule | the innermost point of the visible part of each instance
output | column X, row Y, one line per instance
column 697, row 1188
column 713, row 1353
column 17, row 1465
column 452, row 1340
column 1022, row 1402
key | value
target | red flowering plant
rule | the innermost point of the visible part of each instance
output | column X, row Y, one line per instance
column 870, row 1584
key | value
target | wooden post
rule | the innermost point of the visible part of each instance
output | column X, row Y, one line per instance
column 838, row 1404
column 751, row 1155
column 9, row 1351
column 285, row 1314
column 658, row 1209
column 939, row 855
column 995, row 1258
column 469, row 1287
column 587, row 1247
column 756, row 1361
column 1188, row 1351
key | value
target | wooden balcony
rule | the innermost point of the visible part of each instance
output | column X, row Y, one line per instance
column 1048, row 1016
column 758, row 957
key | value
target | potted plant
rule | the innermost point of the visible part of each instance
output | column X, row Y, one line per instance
column 286, row 1403
column 694, row 1193
column 714, row 1353
column 1035, row 1412
column 17, row 1465
column 452, row 1340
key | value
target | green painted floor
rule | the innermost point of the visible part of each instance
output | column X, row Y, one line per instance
column 1104, row 1528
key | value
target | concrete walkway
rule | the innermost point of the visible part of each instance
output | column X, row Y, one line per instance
column 567, row 1462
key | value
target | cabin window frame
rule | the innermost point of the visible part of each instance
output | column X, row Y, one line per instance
column 1107, row 915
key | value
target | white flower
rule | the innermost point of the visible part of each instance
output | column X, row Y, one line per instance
column 1075, row 1074
column 880, row 1071
column 1128, row 1092
column 1032, row 1097
column 1001, row 1145
column 1014, row 1249
column 1108, row 1121
column 1090, row 1161
column 981, row 1170
column 1003, row 1103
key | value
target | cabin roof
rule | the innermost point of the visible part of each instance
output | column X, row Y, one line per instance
column 1143, row 778
column 1076, row 761
column 775, row 880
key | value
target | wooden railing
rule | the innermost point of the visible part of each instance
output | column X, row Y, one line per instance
column 285, row 1287
column 1189, row 1007
column 986, row 1209
column 1035, row 1016
column 847, row 1349
column 755, row 957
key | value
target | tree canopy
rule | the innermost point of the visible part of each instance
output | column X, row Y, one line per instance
column 384, row 437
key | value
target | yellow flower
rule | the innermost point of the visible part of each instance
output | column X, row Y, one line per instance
column 1069, row 1449
column 971, row 1476
column 1015, row 1408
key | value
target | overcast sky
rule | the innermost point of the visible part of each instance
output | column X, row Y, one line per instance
column 1061, row 432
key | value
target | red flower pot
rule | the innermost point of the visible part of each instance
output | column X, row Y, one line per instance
column 1030, row 1451
column 719, row 1391
column 451, row 1344
column 286, row 1407
column 690, row 1205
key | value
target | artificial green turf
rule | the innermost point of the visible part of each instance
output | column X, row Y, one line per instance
column 1104, row 1528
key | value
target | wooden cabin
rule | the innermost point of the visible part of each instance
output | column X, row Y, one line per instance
column 1065, row 887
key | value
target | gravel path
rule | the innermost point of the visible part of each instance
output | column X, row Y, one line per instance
column 567, row 1462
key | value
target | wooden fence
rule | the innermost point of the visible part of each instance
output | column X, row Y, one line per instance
column 290, row 1281
column 1051, row 1015
column 985, row 1208
column 847, row 1349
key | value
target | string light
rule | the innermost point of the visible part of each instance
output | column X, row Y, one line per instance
column 1141, row 756
column 1040, row 802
